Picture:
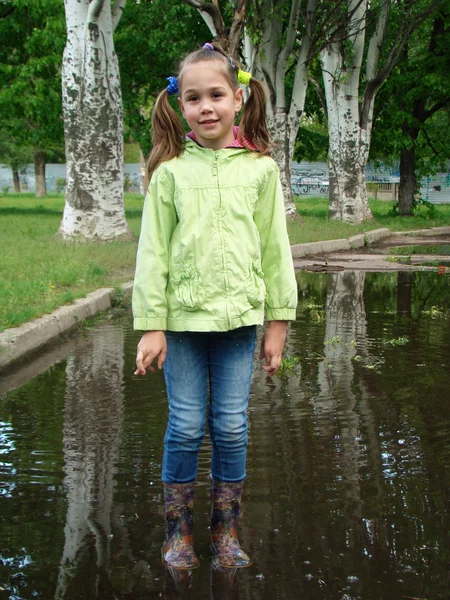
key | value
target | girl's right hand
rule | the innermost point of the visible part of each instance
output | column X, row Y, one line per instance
column 152, row 345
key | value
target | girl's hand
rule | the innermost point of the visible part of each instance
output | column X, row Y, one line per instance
column 153, row 345
column 272, row 346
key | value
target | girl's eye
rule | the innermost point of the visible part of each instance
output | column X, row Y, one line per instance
column 192, row 98
column 217, row 95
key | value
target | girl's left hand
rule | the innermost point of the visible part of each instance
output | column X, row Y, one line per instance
column 272, row 346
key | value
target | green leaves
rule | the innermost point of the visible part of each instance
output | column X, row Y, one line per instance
column 33, row 38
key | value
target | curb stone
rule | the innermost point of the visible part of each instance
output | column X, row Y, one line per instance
column 18, row 342
column 355, row 241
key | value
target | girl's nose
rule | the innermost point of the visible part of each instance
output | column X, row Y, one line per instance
column 205, row 106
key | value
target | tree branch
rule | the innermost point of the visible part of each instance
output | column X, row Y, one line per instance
column 434, row 109
column 116, row 12
column 95, row 8
column 321, row 94
column 237, row 27
column 407, row 27
column 211, row 14
column 292, row 28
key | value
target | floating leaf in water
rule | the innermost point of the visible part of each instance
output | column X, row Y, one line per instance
column 400, row 341
column 288, row 366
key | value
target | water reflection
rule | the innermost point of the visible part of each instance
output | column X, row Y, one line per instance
column 92, row 428
column 348, row 468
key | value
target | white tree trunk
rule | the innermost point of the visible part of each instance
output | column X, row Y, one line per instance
column 350, row 110
column 93, row 123
column 283, row 133
column 348, row 148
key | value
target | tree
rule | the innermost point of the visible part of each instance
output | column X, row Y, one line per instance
column 93, row 123
column 166, row 24
column 413, row 115
column 351, row 86
column 32, row 34
column 280, row 38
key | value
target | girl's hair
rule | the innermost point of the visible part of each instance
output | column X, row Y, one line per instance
column 168, row 135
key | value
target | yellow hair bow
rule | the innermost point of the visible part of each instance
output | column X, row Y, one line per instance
column 244, row 77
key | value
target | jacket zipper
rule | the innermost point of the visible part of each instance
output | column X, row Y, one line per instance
column 222, row 239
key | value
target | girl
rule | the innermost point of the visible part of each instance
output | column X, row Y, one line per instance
column 213, row 256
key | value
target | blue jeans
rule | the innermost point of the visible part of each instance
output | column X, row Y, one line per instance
column 226, row 360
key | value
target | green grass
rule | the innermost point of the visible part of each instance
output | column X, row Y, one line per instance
column 316, row 227
column 443, row 249
column 39, row 272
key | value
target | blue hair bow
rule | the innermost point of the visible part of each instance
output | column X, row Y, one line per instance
column 172, row 88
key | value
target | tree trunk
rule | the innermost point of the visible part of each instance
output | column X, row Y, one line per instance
column 93, row 123
column 16, row 180
column 348, row 142
column 408, row 182
column 283, row 133
column 39, row 173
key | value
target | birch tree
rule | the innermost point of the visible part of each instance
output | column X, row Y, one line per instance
column 412, row 109
column 270, row 60
column 93, row 123
column 350, row 89
column 266, row 35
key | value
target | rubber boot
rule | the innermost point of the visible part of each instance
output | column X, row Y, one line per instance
column 178, row 549
column 225, row 509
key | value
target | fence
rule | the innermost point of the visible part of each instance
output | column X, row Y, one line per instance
column 307, row 179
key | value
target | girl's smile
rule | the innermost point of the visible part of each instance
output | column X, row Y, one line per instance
column 209, row 103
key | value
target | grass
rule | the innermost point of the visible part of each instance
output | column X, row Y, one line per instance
column 39, row 272
column 316, row 226
column 443, row 249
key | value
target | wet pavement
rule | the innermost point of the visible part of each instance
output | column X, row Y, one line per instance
column 431, row 249
column 348, row 490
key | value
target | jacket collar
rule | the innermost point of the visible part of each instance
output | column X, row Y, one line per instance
column 236, row 144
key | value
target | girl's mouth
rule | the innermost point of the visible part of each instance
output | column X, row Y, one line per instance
column 210, row 122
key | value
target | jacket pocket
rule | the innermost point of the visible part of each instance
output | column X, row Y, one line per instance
column 189, row 290
column 256, row 290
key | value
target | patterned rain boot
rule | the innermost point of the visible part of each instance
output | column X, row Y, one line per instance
column 178, row 550
column 225, row 509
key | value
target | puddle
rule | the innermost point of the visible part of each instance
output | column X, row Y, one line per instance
column 348, row 489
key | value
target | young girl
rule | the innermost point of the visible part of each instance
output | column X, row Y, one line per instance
column 213, row 258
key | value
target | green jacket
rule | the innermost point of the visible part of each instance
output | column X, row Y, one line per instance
column 213, row 251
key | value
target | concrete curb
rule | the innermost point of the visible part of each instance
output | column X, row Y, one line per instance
column 355, row 241
column 18, row 342
column 424, row 232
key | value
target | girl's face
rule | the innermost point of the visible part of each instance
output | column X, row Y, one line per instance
column 209, row 103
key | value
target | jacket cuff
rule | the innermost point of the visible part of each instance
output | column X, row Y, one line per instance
column 280, row 314
column 150, row 323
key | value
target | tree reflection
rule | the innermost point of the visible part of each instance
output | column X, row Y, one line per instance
column 93, row 419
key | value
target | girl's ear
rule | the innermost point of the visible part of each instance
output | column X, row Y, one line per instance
column 238, row 100
column 180, row 104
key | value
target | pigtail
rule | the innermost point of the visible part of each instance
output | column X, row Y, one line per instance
column 167, row 135
column 253, row 124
